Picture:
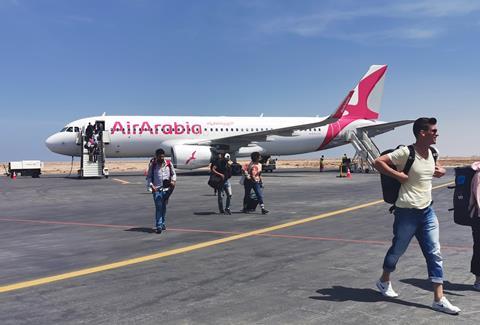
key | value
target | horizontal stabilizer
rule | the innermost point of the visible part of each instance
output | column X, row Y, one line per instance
column 373, row 130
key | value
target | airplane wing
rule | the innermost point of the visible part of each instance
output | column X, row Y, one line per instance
column 373, row 130
column 244, row 140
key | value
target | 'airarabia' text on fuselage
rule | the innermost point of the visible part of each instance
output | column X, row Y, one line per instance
column 145, row 127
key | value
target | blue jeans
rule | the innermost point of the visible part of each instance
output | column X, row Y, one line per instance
column 227, row 188
column 160, row 198
column 423, row 224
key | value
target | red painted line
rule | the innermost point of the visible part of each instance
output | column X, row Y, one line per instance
column 355, row 241
column 64, row 223
column 68, row 223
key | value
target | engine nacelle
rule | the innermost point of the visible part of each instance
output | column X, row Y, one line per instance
column 191, row 156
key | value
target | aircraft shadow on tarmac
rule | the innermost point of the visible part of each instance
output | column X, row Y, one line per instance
column 426, row 285
column 342, row 294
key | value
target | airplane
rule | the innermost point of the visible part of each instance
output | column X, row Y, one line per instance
column 190, row 141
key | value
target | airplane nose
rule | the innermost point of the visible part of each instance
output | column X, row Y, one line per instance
column 50, row 142
column 54, row 142
column 63, row 143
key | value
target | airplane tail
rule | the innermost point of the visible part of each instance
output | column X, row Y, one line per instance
column 366, row 99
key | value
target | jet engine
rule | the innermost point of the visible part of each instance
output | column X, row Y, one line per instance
column 191, row 156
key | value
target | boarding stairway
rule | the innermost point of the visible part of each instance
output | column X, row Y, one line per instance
column 366, row 151
column 89, row 168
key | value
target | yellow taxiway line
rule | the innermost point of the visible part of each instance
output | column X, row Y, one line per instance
column 120, row 180
column 142, row 259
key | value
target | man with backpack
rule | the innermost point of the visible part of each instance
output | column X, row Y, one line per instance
column 222, row 167
column 414, row 215
column 162, row 178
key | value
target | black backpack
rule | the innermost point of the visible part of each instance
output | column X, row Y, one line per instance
column 390, row 185
column 461, row 196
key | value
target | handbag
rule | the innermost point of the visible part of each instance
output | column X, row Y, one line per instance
column 215, row 181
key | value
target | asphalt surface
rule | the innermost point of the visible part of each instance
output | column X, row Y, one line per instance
column 319, row 271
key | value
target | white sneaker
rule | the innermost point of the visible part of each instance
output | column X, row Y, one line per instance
column 445, row 306
column 386, row 289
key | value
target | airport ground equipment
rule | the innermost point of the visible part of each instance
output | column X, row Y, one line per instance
column 89, row 168
column 269, row 166
column 365, row 151
column 25, row 168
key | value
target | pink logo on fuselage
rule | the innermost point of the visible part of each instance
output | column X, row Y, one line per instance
column 192, row 157
column 145, row 127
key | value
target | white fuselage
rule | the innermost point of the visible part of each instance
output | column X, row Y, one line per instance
column 140, row 136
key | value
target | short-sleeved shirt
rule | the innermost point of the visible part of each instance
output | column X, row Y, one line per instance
column 255, row 170
column 161, row 173
column 416, row 193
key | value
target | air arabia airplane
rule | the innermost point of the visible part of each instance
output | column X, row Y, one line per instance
column 191, row 140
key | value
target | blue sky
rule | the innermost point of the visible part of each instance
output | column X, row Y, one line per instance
column 63, row 60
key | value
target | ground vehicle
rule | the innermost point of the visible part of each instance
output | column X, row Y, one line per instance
column 25, row 168
column 269, row 166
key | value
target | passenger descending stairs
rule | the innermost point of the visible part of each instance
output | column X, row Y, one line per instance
column 90, row 169
column 366, row 151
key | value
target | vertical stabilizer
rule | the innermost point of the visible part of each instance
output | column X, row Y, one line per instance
column 361, row 103
column 367, row 97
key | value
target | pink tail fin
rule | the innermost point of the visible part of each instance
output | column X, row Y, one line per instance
column 367, row 96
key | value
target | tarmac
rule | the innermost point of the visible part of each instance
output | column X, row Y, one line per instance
column 82, row 252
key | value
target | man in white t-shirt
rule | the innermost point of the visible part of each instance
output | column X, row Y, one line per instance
column 414, row 215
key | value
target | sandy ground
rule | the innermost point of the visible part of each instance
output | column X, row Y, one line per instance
column 141, row 165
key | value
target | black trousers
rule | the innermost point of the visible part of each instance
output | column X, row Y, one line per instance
column 475, row 265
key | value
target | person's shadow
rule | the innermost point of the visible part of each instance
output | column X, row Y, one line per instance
column 141, row 229
column 342, row 294
column 205, row 213
column 426, row 285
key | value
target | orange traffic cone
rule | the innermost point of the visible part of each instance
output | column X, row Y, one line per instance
column 14, row 175
column 349, row 175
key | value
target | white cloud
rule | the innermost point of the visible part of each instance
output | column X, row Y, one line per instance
column 437, row 8
column 407, row 34
column 402, row 16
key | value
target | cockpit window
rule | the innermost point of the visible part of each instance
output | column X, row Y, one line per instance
column 64, row 129
column 77, row 129
column 70, row 129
